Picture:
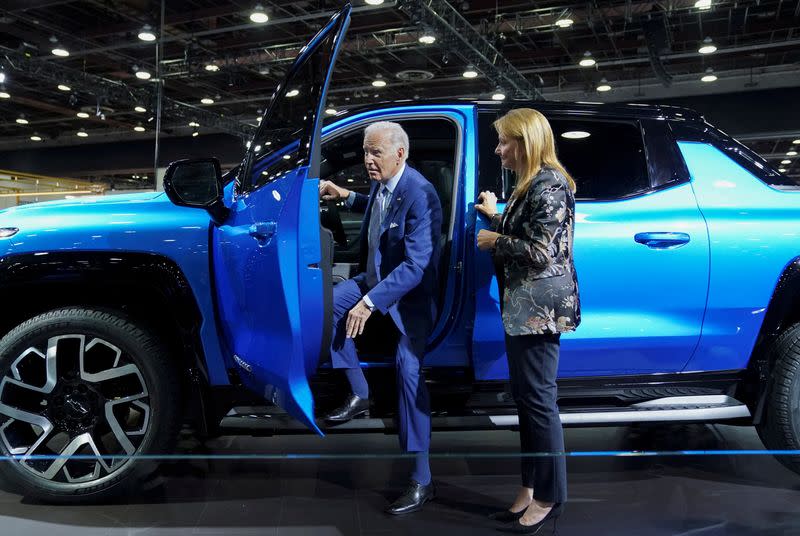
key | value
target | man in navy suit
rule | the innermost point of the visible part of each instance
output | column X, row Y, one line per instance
column 400, row 247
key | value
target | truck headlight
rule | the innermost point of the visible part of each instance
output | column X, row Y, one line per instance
column 5, row 232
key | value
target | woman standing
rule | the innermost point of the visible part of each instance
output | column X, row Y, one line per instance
column 531, row 244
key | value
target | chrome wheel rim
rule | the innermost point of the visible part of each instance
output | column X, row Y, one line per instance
column 74, row 409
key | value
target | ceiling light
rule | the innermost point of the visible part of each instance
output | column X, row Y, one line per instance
column 703, row 4
column 427, row 38
column 139, row 128
column 293, row 93
column 146, row 33
column 82, row 134
column 259, row 16
column 36, row 137
column 796, row 142
column 603, row 86
column 782, row 170
column 498, row 95
column 140, row 109
column 374, row 2
column 212, row 67
column 575, row 134
column 62, row 87
column 709, row 76
column 565, row 22
column 470, row 72
column 786, row 162
column 82, row 115
column 194, row 124
column 331, row 111
column 2, row 77
column 143, row 75
column 379, row 81
column 207, row 100
column 791, row 153
column 587, row 60
column 195, row 132
column 5, row 95
column 21, row 120
column 707, row 47
column 57, row 49
column 259, row 118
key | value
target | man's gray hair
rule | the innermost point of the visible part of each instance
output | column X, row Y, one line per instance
column 395, row 133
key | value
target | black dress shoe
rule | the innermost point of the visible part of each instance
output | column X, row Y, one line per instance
column 412, row 498
column 506, row 516
column 353, row 407
column 518, row 528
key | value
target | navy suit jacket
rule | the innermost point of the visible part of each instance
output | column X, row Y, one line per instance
column 407, row 258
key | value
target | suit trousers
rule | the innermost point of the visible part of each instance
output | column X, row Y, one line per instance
column 414, row 408
column 533, row 365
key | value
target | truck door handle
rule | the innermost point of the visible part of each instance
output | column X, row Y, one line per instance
column 263, row 230
column 662, row 240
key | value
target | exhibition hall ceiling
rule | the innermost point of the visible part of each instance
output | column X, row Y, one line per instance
column 86, row 70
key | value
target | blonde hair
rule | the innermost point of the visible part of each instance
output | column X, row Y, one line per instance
column 537, row 145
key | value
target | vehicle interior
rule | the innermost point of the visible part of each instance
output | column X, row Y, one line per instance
column 432, row 152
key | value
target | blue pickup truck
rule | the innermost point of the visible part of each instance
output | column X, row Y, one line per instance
column 208, row 305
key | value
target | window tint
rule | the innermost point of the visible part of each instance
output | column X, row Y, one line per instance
column 606, row 158
column 282, row 140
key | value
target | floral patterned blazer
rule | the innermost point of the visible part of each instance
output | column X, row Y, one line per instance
column 533, row 258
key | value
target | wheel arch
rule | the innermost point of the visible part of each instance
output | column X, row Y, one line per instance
column 148, row 288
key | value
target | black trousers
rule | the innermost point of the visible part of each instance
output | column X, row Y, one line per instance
column 533, row 365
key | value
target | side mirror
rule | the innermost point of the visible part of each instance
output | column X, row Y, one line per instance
column 196, row 183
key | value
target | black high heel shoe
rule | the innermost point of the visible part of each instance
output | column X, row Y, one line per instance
column 507, row 516
column 518, row 528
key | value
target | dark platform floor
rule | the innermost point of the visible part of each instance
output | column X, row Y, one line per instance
column 645, row 495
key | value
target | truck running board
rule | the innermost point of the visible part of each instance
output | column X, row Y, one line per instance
column 708, row 408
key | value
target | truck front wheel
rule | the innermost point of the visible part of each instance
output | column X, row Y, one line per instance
column 85, row 396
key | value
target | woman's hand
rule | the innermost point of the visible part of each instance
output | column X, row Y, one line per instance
column 486, row 239
column 487, row 204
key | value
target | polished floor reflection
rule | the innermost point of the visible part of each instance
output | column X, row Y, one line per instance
column 644, row 495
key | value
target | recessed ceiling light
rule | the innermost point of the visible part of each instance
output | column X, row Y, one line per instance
column 786, row 162
column 63, row 87
column 21, row 120
column 82, row 115
column 427, row 39
column 707, row 47
column 709, row 76
column 5, row 95
column 212, row 67
column 565, row 22
column 259, row 16
column 143, row 75
column 207, row 100
column 791, row 153
column 36, row 137
column 575, row 134
column 140, row 109
column 146, row 34
column 292, row 93
column 703, row 4
column 587, row 60
column 82, row 134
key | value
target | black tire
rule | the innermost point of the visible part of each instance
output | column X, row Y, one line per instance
column 780, row 427
column 146, row 422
